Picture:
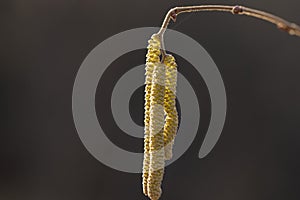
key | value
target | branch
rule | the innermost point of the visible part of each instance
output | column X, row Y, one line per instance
column 291, row 28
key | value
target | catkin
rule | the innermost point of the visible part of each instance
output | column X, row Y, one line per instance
column 157, row 155
column 152, row 59
column 171, row 120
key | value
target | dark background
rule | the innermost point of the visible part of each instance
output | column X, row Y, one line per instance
column 42, row 45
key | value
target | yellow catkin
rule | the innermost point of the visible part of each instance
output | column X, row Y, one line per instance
column 171, row 120
column 152, row 59
column 157, row 155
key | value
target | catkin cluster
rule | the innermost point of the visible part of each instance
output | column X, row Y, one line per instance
column 160, row 117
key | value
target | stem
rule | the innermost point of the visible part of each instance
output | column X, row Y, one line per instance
column 291, row 28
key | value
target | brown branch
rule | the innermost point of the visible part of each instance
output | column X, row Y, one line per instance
column 291, row 28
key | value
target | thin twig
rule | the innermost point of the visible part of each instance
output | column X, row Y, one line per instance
column 291, row 28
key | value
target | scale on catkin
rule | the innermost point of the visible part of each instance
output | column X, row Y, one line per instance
column 160, row 117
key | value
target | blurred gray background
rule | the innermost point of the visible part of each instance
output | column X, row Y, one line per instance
column 43, row 43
